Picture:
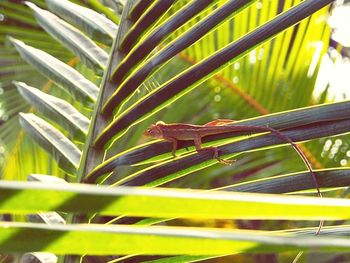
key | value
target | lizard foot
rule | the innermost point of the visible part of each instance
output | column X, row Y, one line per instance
column 222, row 161
column 225, row 162
column 217, row 157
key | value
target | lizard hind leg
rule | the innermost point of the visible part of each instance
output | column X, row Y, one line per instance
column 222, row 161
column 216, row 155
column 198, row 145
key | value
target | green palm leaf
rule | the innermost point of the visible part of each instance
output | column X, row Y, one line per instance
column 158, row 202
column 90, row 54
column 179, row 61
column 57, row 110
column 63, row 150
column 92, row 23
column 188, row 241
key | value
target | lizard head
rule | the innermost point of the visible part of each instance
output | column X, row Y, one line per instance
column 154, row 131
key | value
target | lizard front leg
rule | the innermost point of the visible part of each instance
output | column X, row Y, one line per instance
column 198, row 146
column 174, row 141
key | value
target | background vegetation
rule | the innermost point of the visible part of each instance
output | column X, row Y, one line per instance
column 114, row 68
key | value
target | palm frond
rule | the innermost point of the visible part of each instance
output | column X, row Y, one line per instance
column 188, row 61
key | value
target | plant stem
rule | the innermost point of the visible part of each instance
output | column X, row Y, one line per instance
column 93, row 156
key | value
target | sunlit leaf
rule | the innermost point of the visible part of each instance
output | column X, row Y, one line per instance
column 54, row 142
column 95, row 25
column 57, row 110
column 59, row 72
column 90, row 54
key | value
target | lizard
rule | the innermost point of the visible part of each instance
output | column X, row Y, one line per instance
column 175, row 132
column 189, row 132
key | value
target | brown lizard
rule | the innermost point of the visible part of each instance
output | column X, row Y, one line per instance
column 188, row 132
